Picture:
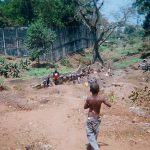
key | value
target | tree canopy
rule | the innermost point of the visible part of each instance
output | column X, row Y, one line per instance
column 143, row 7
column 23, row 12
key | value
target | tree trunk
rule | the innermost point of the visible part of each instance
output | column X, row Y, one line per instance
column 4, row 44
column 96, row 55
column 38, row 59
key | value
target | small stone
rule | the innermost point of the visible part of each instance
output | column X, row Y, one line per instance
column 28, row 147
column 139, row 140
column 134, row 120
column 45, row 147
column 148, row 131
column 68, row 116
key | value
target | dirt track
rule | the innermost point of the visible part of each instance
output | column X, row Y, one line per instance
column 55, row 117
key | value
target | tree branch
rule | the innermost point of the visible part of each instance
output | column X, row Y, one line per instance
column 97, row 11
column 86, row 20
column 102, row 34
column 107, row 36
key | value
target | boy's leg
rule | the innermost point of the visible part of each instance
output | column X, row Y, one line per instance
column 91, row 136
column 96, row 128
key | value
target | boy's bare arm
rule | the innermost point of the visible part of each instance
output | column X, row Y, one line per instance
column 86, row 105
column 105, row 101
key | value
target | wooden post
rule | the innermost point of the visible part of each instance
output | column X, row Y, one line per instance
column 64, row 53
column 4, row 44
column 17, row 42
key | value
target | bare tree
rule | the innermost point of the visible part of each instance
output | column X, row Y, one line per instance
column 89, row 13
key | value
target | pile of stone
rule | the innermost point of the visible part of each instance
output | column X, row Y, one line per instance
column 141, row 96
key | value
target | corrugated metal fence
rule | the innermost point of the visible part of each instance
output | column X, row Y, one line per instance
column 69, row 40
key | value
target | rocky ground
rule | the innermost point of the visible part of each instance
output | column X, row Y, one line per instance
column 53, row 118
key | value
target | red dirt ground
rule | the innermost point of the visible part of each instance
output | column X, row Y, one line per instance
column 54, row 116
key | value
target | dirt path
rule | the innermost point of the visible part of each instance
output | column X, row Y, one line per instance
column 56, row 118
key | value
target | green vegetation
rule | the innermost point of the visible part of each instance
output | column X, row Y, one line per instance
column 39, row 15
column 23, row 12
column 65, row 62
column 143, row 7
column 2, row 85
column 86, row 59
column 119, row 50
column 39, row 39
column 39, row 72
column 22, row 69
column 126, row 63
column 8, row 69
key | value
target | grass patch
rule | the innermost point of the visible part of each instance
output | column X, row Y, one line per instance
column 87, row 59
column 116, row 52
column 40, row 72
column 126, row 63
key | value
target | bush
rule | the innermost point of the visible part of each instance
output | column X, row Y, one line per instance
column 2, row 85
column 9, row 69
column 65, row 62
column 39, row 39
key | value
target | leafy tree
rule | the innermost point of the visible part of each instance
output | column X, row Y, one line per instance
column 39, row 39
column 130, row 29
column 143, row 7
column 23, row 12
column 68, row 14
column 56, row 12
column 5, row 13
column 133, row 31
column 16, row 12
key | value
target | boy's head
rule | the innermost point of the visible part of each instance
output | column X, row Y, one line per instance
column 94, row 88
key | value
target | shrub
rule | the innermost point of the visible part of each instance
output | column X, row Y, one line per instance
column 39, row 39
column 2, row 85
column 65, row 62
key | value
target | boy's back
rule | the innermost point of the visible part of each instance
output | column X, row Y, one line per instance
column 93, row 103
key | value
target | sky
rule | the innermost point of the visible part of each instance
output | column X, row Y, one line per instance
column 112, row 7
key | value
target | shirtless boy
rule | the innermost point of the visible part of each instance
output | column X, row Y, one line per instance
column 93, row 103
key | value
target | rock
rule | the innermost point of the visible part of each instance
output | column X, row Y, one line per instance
column 148, row 131
column 45, row 146
column 139, row 140
column 38, row 86
column 68, row 116
column 133, row 141
column 39, row 146
column 28, row 147
column 134, row 120
column 44, row 100
column 116, row 84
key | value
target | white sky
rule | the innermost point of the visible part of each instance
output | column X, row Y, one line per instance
column 112, row 7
